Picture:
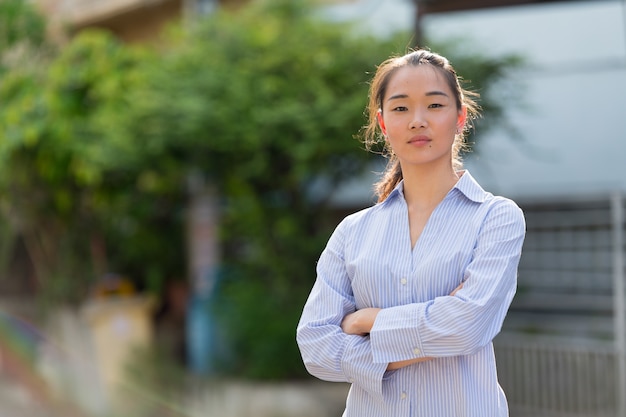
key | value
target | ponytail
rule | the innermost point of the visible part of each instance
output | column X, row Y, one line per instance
column 391, row 178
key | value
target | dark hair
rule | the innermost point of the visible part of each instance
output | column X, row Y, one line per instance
column 378, row 88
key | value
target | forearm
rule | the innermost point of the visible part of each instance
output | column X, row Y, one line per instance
column 361, row 322
column 401, row 364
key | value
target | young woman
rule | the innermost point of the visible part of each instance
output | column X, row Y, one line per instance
column 411, row 291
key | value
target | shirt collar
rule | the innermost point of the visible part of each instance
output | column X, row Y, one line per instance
column 470, row 188
column 466, row 185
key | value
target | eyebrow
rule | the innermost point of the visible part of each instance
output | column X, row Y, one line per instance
column 428, row 94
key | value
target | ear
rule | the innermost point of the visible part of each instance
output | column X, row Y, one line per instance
column 461, row 119
column 381, row 122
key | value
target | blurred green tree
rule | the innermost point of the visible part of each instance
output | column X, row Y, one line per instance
column 20, row 25
column 264, row 103
column 62, row 178
column 22, row 33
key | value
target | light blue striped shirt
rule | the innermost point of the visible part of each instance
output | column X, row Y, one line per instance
column 471, row 236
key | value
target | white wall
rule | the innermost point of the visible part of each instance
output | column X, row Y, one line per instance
column 575, row 126
column 376, row 16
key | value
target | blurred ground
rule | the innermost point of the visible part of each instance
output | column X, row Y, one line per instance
column 17, row 402
column 227, row 399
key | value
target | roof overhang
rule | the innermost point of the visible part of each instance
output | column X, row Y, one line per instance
column 442, row 6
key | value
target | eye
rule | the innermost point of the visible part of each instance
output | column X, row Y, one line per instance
column 399, row 108
column 435, row 106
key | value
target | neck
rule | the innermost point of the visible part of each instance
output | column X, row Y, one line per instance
column 426, row 186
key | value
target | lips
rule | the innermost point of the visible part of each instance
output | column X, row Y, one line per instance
column 420, row 140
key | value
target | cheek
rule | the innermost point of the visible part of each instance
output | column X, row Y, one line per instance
column 449, row 124
column 395, row 124
column 393, row 135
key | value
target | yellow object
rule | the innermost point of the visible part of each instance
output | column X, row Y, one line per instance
column 119, row 326
column 113, row 285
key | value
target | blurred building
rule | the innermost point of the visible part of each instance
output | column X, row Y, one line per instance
column 130, row 20
column 562, row 350
column 567, row 144
column 559, row 143
column 563, row 346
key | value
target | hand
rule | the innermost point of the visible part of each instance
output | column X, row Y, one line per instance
column 360, row 322
column 456, row 289
column 401, row 364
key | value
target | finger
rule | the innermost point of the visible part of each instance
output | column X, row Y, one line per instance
column 456, row 289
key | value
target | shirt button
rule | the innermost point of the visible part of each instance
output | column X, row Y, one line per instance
column 403, row 281
column 403, row 395
column 416, row 351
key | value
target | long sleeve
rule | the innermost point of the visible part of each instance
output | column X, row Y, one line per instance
column 328, row 353
column 472, row 237
column 466, row 322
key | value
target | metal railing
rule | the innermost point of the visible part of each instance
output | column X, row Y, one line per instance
column 562, row 351
column 556, row 379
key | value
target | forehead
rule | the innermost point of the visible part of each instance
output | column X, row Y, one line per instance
column 417, row 81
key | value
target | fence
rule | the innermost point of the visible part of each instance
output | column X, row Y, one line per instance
column 562, row 348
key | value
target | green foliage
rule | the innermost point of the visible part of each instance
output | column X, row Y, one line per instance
column 264, row 103
column 68, row 187
column 19, row 24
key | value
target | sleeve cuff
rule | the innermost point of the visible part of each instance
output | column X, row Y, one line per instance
column 394, row 336
column 369, row 377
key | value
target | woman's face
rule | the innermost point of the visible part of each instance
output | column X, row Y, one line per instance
column 419, row 116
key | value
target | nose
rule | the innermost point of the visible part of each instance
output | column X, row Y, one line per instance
column 418, row 121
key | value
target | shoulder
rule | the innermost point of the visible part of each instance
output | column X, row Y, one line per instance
column 488, row 202
column 366, row 220
column 504, row 205
column 344, row 232
column 491, row 212
column 501, row 203
column 361, row 217
column 503, row 217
